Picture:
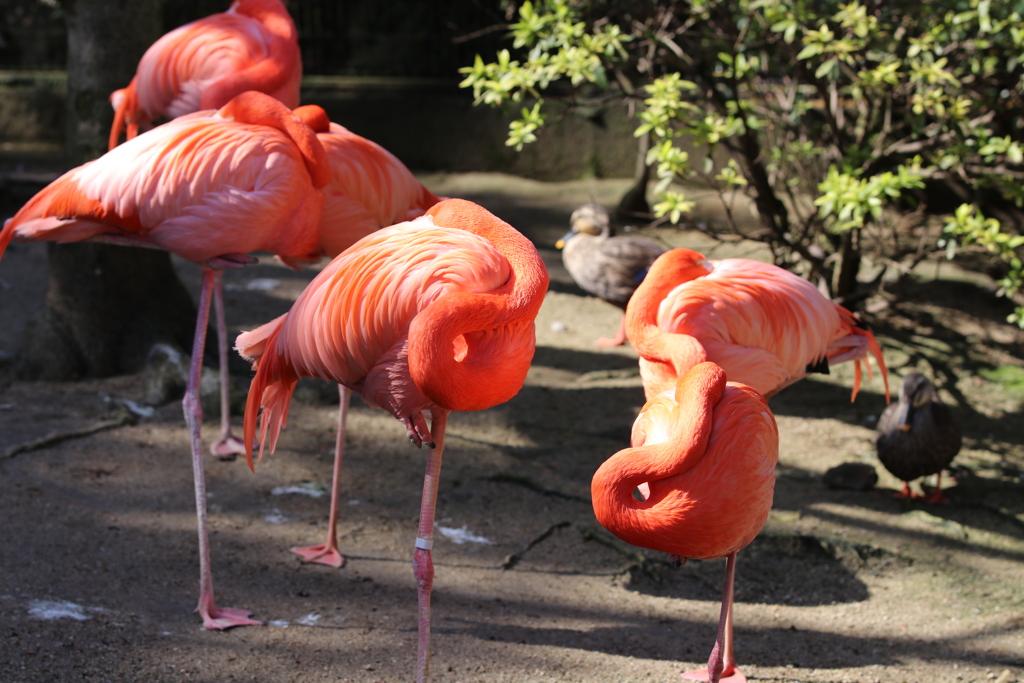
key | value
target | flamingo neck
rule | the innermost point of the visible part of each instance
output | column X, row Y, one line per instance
column 674, row 353
column 612, row 487
column 257, row 108
column 468, row 350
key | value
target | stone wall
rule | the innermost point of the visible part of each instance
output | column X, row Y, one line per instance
column 429, row 124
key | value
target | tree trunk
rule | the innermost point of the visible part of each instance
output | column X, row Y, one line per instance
column 105, row 305
column 844, row 281
column 633, row 205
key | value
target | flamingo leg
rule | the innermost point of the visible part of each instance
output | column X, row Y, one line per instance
column 422, row 564
column 213, row 617
column 227, row 446
column 619, row 339
column 722, row 663
column 327, row 553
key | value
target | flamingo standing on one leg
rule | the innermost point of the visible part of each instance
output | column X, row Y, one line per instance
column 369, row 189
column 203, row 64
column 765, row 326
column 209, row 188
column 703, row 454
column 428, row 316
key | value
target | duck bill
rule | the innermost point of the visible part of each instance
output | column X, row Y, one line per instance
column 560, row 244
column 905, row 415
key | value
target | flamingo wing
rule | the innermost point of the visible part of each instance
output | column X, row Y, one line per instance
column 351, row 324
column 200, row 187
column 369, row 189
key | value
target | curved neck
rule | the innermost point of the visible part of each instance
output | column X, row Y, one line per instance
column 696, row 395
column 681, row 351
column 469, row 351
column 263, row 110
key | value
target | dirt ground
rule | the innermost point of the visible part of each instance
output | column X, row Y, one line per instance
column 98, row 555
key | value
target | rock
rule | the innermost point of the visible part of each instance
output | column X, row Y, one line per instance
column 166, row 376
column 855, row 476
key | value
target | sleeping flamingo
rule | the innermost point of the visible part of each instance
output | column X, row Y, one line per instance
column 369, row 189
column 703, row 455
column 765, row 326
column 209, row 188
column 421, row 318
column 202, row 65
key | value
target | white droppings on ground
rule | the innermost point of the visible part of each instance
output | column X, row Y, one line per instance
column 558, row 326
column 304, row 488
column 279, row 623
column 275, row 517
column 310, row 619
column 353, row 502
column 260, row 284
column 56, row 609
column 463, row 535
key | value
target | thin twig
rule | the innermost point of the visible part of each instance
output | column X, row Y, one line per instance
column 54, row 438
column 508, row 477
column 513, row 559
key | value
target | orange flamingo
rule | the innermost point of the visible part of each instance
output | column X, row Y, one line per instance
column 703, row 455
column 369, row 189
column 420, row 318
column 202, row 65
column 209, row 188
column 765, row 326
column 213, row 185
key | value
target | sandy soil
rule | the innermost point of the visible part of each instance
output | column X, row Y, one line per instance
column 97, row 541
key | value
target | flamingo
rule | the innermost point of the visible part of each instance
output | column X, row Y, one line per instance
column 421, row 318
column 765, row 326
column 608, row 266
column 369, row 189
column 204, row 64
column 209, row 188
column 703, row 455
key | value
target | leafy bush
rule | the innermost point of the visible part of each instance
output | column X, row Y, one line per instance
column 835, row 118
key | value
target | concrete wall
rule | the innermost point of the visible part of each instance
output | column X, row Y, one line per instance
column 430, row 125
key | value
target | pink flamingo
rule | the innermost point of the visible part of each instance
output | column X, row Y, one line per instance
column 421, row 318
column 202, row 65
column 369, row 189
column 765, row 326
column 703, row 455
column 209, row 188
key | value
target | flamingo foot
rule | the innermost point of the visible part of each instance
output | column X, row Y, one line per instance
column 729, row 675
column 221, row 618
column 321, row 554
column 227, row 447
column 618, row 340
column 605, row 342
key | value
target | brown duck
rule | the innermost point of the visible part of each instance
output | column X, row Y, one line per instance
column 608, row 266
column 917, row 436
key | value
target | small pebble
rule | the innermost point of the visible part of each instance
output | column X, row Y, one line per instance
column 558, row 326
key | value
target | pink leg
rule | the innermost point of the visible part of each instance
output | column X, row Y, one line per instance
column 722, row 664
column 620, row 337
column 422, row 565
column 227, row 446
column 328, row 552
column 213, row 617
